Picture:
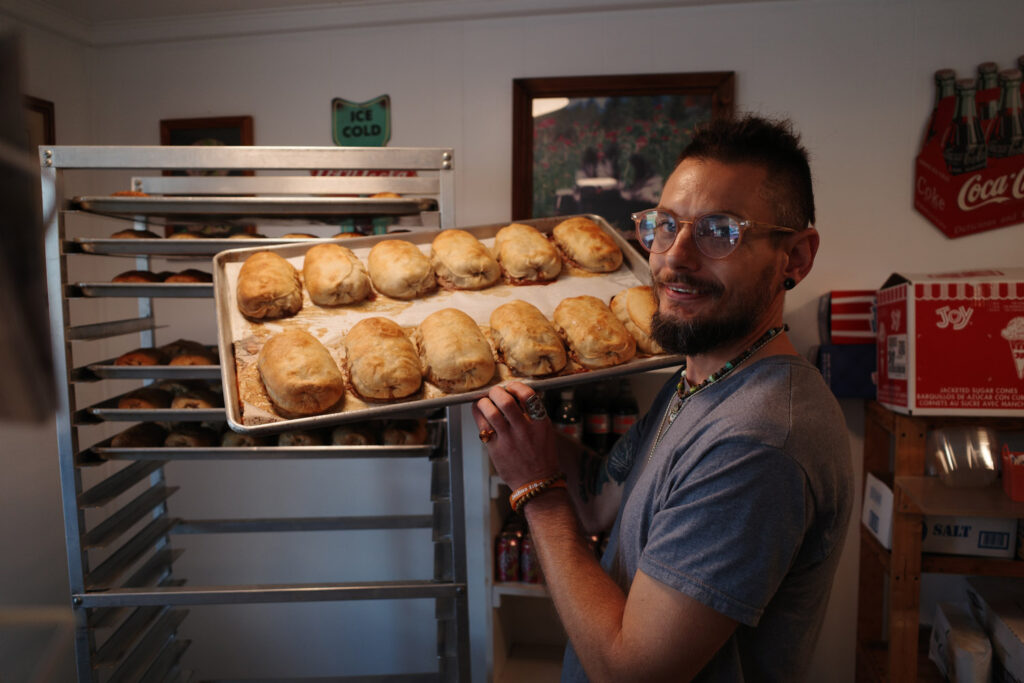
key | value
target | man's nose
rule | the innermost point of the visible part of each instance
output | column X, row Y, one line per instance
column 683, row 252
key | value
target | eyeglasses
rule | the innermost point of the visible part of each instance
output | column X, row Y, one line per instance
column 716, row 234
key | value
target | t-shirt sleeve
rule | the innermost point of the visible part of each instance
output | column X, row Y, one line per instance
column 726, row 535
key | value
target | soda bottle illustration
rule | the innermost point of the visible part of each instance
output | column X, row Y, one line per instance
column 964, row 148
column 1007, row 138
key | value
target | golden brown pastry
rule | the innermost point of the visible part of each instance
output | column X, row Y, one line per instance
column 246, row 236
column 146, row 398
column 132, row 234
column 198, row 399
column 585, row 244
column 634, row 307
column 385, row 195
column 526, row 255
column 595, row 337
column 137, row 276
column 128, row 193
column 352, row 435
column 404, row 432
column 400, row 270
column 191, row 435
column 300, row 438
column 525, row 340
column 461, row 261
column 183, row 236
column 189, row 275
column 299, row 236
column 299, row 374
column 382, row 361
column 454, row 354
column 197, row 357
column 347, row 235
column 144, row 356
column 142, row 435
column 334, row 275
column 231, row 439
column 268, row 287
column 180, row 346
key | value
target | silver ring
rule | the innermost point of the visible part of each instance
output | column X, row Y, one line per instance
column 535, row 408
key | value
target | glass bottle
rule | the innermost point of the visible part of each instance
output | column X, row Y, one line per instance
column 625, row 411
column 1007, row 137
column 964, row 150
column 944, row 80
column 568, row 420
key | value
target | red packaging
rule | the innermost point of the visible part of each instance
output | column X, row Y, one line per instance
column 847, row 316
column 1013, row 474
column 953, row 343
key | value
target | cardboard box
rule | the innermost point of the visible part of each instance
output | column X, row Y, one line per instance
column 976, row 536
column 959, row 646
column 847, row 369
column 998, row 605
column 847, row 316
column 952, row 343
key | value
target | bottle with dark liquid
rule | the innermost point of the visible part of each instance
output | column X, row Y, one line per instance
column 964, row 150
column 568, row 418
column 625, row 411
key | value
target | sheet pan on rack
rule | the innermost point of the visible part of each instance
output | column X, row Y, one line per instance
column 248, row 409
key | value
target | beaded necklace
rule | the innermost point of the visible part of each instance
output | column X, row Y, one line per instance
column 683, row 391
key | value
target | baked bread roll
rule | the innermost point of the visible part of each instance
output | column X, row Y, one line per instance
column 300, row 438
column 142, row 435
column 144, row 356
column 231, row 439
column 333, row 275
column 201, row 399
column 268, row 287
column 352, row 435
column 137, row 276
column 526, row 255
column 525, row 340
column 179, row 346
column 299, row 374
column 184, row 236
column 454, row 354
column 382, row 361
column 133, row 234
column 146, row 398
column 197, row 357
column 595, row 337
column 191, row 435
column 586, row 245
column 400, row 270
column 189, row 275
column 299, row 236
column 461, row 261
column 635, row 307
column 246, row 236
column 404, row 432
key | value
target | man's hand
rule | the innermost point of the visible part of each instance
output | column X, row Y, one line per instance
column 522, row 448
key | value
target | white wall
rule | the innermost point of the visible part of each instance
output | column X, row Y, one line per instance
column 855, row 76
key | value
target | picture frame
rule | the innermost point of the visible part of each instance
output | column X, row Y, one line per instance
column 605, row 144
column 40, row 122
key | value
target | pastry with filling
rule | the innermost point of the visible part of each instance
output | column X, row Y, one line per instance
column 411, row 432
column 461, row 261
column 586, row 245
column 133, row 234
column 525, row 340
column 197, row 400
column 300, row 376
column 635, row 307
column 142, row 435
column 189, row 275
column 299, row 236
column 382, row 361
column 595, row 337
column 454, row 354
column 231, row 439
column 526, row 255
column 202, row 356
column 400, row 270
column 300, row 438
column 137, row 276
column 333, row 275
column 268, row 287
column 146, row 398
column 143, row 356
column 191, row 435
column 352, row 435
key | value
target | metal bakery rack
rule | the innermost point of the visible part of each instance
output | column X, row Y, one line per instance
column 129, row 598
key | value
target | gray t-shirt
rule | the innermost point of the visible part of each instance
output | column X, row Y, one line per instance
column 742, row 506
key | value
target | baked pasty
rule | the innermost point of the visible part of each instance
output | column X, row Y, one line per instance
column 585, row 244
column 526, row 255
column 268, row 287
column 400, row 270
column 404, row 432
column 300, row 438
column 595, row 337
column 382, row 361
column 231, row 439
column 461, row 261
column 526, row 340
column 189, row 275
column 189, row 435
column 140, row 276
column 133, row 234
column 142, row 435
column 352, row 435
column 635, row 307
column 299, row 373
column 201, row 400
column 453, row 351
column 145, row 398
column 144, row 356
column 333, row 275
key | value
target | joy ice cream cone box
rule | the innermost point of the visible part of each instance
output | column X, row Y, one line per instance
column 952, row 343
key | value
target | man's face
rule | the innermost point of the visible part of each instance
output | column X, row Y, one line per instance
column 706, row 304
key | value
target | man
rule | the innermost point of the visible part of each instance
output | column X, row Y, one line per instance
column 736, row 486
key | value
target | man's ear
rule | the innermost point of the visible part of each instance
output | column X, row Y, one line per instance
column 801, row 248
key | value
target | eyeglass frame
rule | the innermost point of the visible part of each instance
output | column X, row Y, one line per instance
column 743, row 223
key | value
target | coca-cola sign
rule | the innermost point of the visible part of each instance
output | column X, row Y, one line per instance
column 969, row 174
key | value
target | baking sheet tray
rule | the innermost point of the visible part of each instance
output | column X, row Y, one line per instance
column 239, row 340
column 155, row 290
column 251, row 207
column 163, row 246
column 108, row 410
column 108, row 370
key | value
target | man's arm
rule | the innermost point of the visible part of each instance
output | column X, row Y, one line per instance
column 655, row 633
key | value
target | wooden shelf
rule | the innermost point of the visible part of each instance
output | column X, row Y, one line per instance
column 534, row 663
column 930, row 496
column 525, row 590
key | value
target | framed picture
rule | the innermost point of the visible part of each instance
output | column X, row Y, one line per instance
column 605, row 144
column 40, row 122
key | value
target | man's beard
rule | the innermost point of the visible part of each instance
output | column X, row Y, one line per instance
column 702, row 335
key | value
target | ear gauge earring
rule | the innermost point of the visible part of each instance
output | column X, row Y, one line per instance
column 788, row 283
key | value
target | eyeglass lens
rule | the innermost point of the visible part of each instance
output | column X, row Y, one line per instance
column 716, row 235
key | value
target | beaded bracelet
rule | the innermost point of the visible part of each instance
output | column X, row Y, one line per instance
column 529, row 490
